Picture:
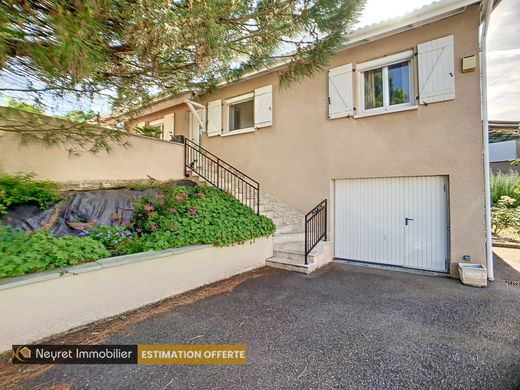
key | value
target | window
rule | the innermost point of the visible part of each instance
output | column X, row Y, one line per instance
column 156, row 128
column 386, row 84
column 241, row 115
column 241, row 112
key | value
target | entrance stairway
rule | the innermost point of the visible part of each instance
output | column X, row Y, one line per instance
column 289, row 238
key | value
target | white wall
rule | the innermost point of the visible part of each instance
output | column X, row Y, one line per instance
column 41, row 305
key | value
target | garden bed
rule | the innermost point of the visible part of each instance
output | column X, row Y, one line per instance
column 88, row 226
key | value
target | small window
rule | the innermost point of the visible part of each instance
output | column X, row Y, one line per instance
column 386, row 87
column 241, row 115
column 156, row 130
column 245, row 113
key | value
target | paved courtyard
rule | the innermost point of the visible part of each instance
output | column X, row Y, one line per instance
column 343, row 327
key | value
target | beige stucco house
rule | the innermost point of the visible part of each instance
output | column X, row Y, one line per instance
column 390, row 134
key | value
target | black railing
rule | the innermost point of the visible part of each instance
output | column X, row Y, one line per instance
column 221, row 174
column 315, row 227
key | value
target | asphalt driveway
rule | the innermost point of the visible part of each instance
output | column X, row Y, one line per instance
column 343, row 327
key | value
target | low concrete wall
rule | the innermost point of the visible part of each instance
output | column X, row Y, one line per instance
column 36, row 306
column 144, row 157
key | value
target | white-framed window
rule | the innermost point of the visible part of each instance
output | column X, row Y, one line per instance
column 241, row 113
column 386, row 84
column 165, row 127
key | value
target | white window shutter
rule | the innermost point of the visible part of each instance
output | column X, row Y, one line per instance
column 264, row 106
column 168, row 127
column 436, row 70
column 214, row 118
column 341, row 102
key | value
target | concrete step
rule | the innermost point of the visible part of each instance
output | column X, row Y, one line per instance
column 290, row 228
column 290, row 265
column 278, row 221
column 288, row 237
column 270, row 214
column 295, row 251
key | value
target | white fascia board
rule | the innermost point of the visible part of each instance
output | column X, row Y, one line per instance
column 419, row 17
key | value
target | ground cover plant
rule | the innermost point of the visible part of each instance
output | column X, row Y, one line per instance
column 22, row 253
column 180, row 216
column 169, row 217
column 23, row 189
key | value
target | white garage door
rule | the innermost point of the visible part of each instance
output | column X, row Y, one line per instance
column 398, row 221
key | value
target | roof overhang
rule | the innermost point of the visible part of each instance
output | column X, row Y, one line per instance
column 429, row 13
column 419, row 17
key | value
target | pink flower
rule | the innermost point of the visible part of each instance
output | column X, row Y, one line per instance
column 193, row 211
column 173, row 210
column 149, row 207
column 138, row 230
column 161, row 204
column 200, row 194
column 178, row 198
column 159, row 196
column 154, row 228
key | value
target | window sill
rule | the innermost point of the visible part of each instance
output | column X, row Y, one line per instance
column 387, row 111
column 236, row 132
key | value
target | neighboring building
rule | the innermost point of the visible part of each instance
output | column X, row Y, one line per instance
column 510, row 127
column 504, row 145
column 390, row 134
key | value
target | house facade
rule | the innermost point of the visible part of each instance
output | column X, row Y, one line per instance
column 390, row 134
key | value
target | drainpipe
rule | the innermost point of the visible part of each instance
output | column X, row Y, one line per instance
column 485, row 136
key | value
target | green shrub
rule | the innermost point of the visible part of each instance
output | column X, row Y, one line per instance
column 22, row 253
column 180, row 216
column 504, row 184
column 504, row 214
column 22, row 189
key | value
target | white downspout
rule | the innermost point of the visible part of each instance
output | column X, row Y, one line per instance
column 485, row 134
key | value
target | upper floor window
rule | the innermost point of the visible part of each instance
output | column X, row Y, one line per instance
column 392, row 83
column 241, row 112
column 386, row 84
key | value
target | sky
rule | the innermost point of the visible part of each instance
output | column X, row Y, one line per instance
column 503, row 54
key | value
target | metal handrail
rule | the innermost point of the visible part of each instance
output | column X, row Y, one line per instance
column 315, row 227
column 221, row 174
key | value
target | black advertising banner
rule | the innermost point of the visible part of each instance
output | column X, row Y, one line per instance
column 74, row 354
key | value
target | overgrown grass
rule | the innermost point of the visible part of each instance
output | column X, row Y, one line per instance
column 504, row 184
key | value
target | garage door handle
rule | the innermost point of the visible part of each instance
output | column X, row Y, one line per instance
column 406, row 220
